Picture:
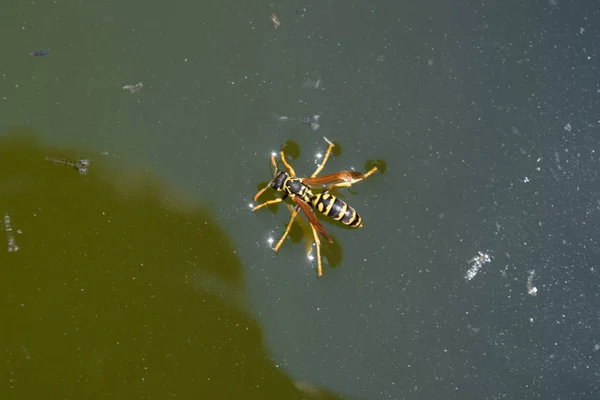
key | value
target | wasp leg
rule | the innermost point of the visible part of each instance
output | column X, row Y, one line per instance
column 318, row 246
column 287, row 229
column 285, row 163
column 260, row 192
column 320, row 167
column 269, row 202
column 352, row 182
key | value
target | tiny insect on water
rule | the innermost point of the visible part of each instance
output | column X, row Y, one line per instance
column 275, row 21
column 40, row 53
column 82, row 165
column 301, row 192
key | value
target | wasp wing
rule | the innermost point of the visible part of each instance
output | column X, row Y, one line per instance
column 312, row 218
column 343, row 176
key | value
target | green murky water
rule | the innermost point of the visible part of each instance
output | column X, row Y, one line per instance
column 119, row 290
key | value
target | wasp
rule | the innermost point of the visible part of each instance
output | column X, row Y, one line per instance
column 301, row 192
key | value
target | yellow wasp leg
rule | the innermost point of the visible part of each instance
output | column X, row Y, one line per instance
column 260, row 192
column 285, row 163
column 348, row 184
column 266, row 203
column 318, row 246
column 287, row 229
column 306, row 234
column 320, row 167
column 371, row 172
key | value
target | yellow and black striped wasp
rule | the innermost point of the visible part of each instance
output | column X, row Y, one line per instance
column 300, row 191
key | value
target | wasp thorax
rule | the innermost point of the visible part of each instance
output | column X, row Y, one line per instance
column 295, row 186
column 278, row 181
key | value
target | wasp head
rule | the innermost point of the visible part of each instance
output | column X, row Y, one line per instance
column 278, row 181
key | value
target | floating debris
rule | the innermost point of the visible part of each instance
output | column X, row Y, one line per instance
column 531, row 290
column 12, row 246
column 40, row 53
column 81, row 165
column 310, row 83
column 274, row 21
column 477, row 261
column 313, row 121
column 134, row 88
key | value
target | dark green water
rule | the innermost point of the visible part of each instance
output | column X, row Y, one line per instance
column 150, row 277
column 119, row 291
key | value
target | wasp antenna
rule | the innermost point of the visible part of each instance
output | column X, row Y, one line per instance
column 273, row 164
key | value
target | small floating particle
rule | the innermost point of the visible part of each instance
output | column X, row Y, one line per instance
column 134, row 88
column 275, row 21
column 12, row 246
column 40, row 53
column 478, row 261
column 531, row 290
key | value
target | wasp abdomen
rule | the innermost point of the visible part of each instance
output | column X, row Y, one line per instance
column 337, row 209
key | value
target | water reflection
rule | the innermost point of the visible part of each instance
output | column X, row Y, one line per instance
column 132, row 294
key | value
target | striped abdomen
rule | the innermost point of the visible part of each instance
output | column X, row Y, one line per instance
column 329, row 205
